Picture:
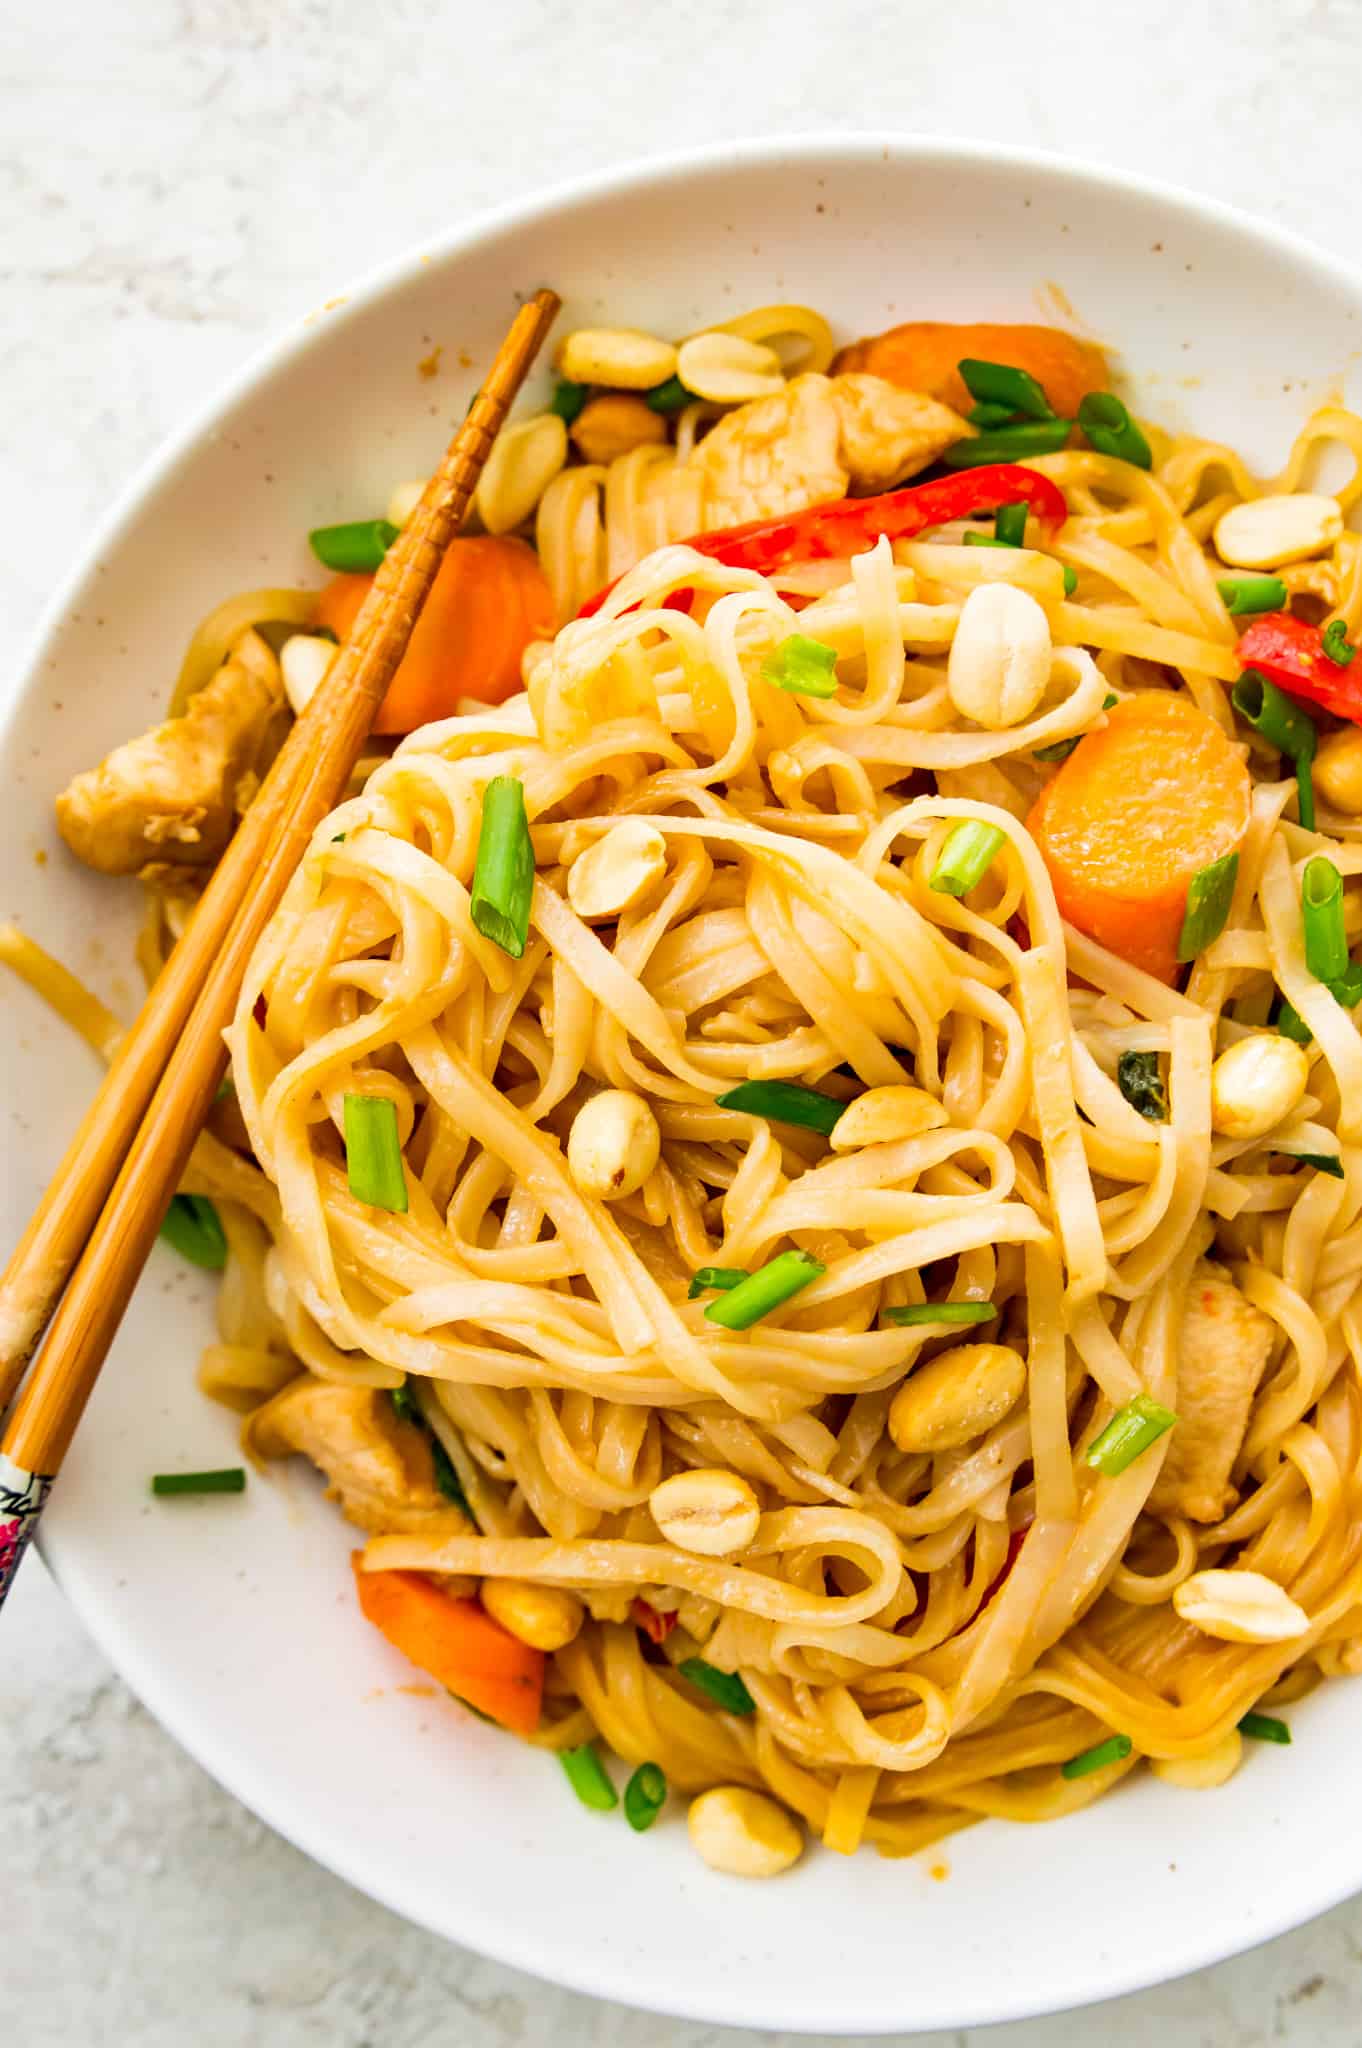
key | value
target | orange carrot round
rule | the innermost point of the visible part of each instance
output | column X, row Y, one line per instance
column 922, row 356
column 1137, row 810
column 457, row 1642
column 489, row 600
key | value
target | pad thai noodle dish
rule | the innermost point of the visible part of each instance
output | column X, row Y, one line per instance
column 793, row 1152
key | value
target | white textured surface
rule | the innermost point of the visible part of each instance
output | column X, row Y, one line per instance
column 180, row 178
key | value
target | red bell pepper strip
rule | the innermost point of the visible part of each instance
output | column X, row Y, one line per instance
column 850, row 525
column 654, row 1625
column 1291, row 654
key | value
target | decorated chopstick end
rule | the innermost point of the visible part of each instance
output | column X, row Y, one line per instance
column 22, row 1495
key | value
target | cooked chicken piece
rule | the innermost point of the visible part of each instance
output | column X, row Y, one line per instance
column 1223, row 1350
column 815, row 440
column 887, row 434
column 175, row 793
column 379, row 1467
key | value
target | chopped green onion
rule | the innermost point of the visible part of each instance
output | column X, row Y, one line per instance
column 784, row 1102
column 1140, row 1080
column 1292, row 1025
column 447, row 1479
column 1347, row 987
column 1208, row 905
column 567, row 400
column 1060, row 750
column 966, row 857
column 770, row 1287
column 373, row 1153
column 669, row 397
column 988, row 414
column 1243, row 594
column 1005, row 384
column 1112, row 431
column 588, row 1778
column 231, row 1479
column 1323, row 1162
column 1284, row 725
column 805, row 667
column 1326, row 941
column 503, row 874
column 1129, row 1434
column 722, row 1278
column 645, row 1796
column 1336, row 644
column 1008, row 444
column 1112, row 1751
column 1009, row 524
column 446, row 1476
column 357, row 547
column 917, row 1313
column 984, row 540
column 725, row 1688
column 1070, row 579
column 192, row 1225
column 1264, row 1728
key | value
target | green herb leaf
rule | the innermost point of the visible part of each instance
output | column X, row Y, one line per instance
column 1140, row 1080
column 725, row 1688
column 567, row 400
column 669, row 397
column 1323, row 1162
column 1009, row 525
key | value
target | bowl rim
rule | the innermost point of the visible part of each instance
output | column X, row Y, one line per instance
column 513, row 1944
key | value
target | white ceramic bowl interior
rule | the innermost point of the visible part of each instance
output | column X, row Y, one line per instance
column 235, row 1619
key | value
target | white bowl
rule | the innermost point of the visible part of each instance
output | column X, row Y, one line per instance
column 235, row 1619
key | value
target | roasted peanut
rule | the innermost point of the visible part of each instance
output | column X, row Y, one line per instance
column 882, row 1115
column 545, row 1617
column 712, row 1513
column 613, row 1145
column 1264, row 533
column 614, row 424
column 999, row 662
column 1239, row 1607
column 743, row 1833
column 956, row 1396
column 616, row 870
column 1257, row 1082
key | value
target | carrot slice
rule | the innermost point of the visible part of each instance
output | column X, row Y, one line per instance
column 922, row 356
column 457, row 1642
column 489, row 600
column 1139, row 808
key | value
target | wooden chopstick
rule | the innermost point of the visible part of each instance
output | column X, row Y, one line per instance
column 105, row 1204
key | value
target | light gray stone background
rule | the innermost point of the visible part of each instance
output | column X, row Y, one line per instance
column 178, row 178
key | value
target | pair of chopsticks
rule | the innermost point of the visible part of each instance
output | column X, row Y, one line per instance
column 75, row 1267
